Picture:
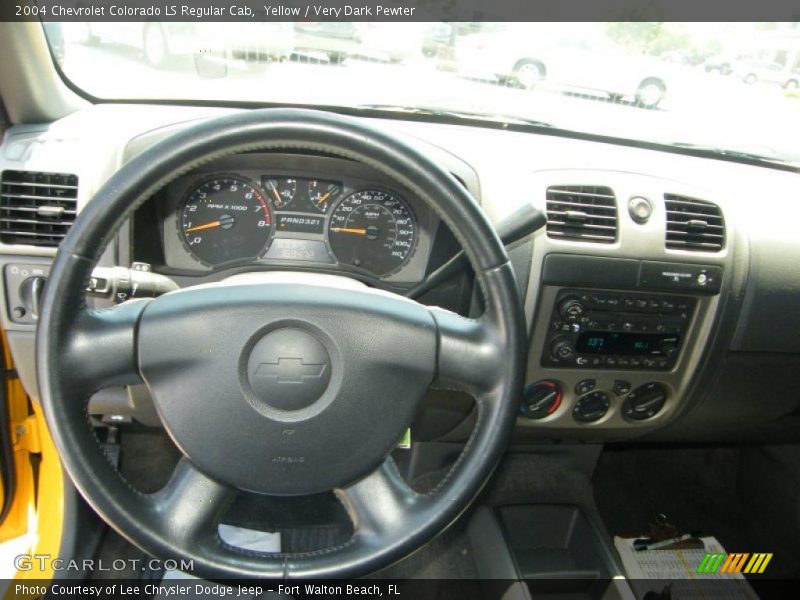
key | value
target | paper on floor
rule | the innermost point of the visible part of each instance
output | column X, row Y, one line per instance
column 678, row 569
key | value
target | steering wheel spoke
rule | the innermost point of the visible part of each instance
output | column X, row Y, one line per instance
column 380, row 503
column 101, row 349
column 470, row 353
column 189, row 507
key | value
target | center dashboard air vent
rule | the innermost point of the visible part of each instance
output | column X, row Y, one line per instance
column 36, row 208
column 693, row 224
column 582, row 212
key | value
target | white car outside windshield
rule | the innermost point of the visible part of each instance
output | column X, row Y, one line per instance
column 655, row 82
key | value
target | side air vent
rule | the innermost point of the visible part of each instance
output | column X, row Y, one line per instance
column 36, row 208
column 694, row 224
column 582, row 212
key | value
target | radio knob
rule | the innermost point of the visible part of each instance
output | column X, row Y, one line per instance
column 562, row 350
column 669, row 349
column 571, row 309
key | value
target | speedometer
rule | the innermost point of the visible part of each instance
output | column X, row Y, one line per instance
column 225, row 219
column 374, row 230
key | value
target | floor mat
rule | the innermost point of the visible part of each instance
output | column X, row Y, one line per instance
column 698, row 489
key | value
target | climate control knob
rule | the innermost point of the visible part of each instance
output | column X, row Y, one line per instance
column 591, row 407
column 540, row 399
column 645, row 401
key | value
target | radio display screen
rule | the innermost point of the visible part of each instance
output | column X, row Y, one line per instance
column 632, row 344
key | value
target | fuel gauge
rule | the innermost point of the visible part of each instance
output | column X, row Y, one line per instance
column 322, row 193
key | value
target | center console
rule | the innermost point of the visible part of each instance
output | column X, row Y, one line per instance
column 615, row 341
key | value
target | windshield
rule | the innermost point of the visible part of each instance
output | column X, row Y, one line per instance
column 726, row 87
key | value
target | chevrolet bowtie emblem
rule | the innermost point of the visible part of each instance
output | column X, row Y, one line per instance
column 290, row 370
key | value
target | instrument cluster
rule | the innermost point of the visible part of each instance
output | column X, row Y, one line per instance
column 335, row 218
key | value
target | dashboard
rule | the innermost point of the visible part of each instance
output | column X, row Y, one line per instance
column 293, row 211
column 632, row 332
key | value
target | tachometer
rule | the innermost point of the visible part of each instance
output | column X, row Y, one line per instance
column 225, row 219
column 374, row 230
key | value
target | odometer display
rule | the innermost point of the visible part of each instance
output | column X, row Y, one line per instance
column 225, row 219
column 373, row 230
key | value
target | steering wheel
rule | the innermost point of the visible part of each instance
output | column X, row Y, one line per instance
column 201, row 352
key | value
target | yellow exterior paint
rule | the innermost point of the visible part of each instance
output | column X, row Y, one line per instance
column 37, row 510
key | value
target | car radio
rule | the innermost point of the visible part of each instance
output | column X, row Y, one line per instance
column 616, row 330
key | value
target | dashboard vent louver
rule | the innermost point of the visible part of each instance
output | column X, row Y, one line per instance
column 36, row 208
column 582, row 212
column 694, row 224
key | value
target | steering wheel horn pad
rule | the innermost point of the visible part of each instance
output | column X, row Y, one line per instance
column 213, row 357
column 288, row 369
column 202, row 351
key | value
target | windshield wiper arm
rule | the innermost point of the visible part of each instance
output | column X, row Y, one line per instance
column 436, row 111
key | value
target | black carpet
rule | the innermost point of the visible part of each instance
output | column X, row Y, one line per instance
column 724, row 492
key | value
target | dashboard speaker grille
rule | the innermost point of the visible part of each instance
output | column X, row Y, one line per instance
column 582, row 212
column 694, row 224
column 36, row 208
